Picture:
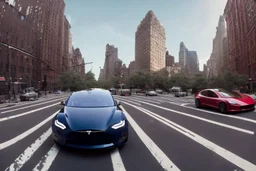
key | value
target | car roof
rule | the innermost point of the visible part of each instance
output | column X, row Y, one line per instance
column 94, row 91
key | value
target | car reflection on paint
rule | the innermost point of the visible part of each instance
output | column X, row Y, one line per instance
column 90, row 119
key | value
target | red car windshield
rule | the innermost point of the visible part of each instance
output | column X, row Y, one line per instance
column 228, row 94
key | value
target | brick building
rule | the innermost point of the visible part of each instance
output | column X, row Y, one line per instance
column 241, row 32
column 150, row 42
column 78, row 62
column 41, row 40
column 19, row 45
column 169, row 59
column 111, row 57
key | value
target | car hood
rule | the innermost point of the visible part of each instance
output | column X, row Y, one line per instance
column 89, row 118
column 244, row 100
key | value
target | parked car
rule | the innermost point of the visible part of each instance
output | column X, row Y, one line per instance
column 125, row 92
column 224, row 100
column 112, row 91
column 151, row 93
column 28, row 94
column 180, row 94
column 159, row 91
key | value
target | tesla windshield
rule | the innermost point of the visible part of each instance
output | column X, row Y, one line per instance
column 90, row 100
column 227, row 93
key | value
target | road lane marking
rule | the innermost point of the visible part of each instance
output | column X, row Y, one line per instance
column 117, row 162
column 26, row 133
column 28, row 153
column 26, row 113
column 130, row 102
column 231, row 157
column 156, row 102
column 33, row 102
column 8, row 111
column 150, row 99
column 46, row 161
column 219, row 114
column 159, row 155
column 204, row 119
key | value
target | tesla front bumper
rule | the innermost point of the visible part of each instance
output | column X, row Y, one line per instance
column 98, row 140
column 239, row 108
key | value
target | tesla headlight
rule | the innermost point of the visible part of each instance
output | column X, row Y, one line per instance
column 119, row 125
column 59, row 125
column 232, row 102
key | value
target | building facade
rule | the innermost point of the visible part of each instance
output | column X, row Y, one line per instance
column 183, row 55
column 132, row 68
column 216, row 61
column 111, row 57
column 78, row 62
column 169, row 59
column 38, row 34
column 173, row 70
column 241, row 32
column 150, row 42
column 192, row 65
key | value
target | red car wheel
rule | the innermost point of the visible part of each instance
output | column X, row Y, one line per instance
column 197, row 102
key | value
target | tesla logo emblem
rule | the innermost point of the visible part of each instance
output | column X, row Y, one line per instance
column 88, row 132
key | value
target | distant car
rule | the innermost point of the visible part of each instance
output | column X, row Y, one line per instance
column 58, row 92
column 90, row 119
column 113, row 91
column 125, row 92
column 180, row 94
column 158, row 91
column 151, row 93
column 28, row 94
column 224, row 100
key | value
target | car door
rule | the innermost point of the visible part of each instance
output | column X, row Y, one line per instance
column 203, row 96
column 213, row 99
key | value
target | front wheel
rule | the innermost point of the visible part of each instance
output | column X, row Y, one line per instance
column 197, row 102
column 223, row 107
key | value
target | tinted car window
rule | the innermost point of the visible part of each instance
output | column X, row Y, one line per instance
column 204, row 93
column 212, row 94
column 90, row 100
column 227, row 93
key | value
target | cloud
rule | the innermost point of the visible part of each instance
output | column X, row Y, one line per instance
column 113, row 31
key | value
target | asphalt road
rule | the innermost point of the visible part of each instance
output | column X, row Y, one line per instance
column 166, row 133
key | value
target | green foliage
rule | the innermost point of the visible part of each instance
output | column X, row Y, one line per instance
column 71, row 80
column 228, row 80
column 90, row 81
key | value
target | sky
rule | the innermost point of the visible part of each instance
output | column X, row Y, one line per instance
column 94, row 23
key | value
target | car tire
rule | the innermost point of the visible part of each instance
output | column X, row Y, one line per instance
column 197, row 103
column 223, row 108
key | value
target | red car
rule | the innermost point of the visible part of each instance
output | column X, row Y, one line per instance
column 224, row 100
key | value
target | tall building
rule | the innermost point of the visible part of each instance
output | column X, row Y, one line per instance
column 150, row 41
column 111, row 57
column 226, row 57
column 78, row 62
column 183, row 55
column 66, row 52
column 192, row 65
column 101, row 76
column 188, row 60
column 241, row 32
column 169, row 59
column 132, row 68
column 216, row 59
column 118, row 68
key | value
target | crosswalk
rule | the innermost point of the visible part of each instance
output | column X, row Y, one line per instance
column 137, row 108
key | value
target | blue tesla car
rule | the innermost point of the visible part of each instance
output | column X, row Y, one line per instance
column 90, row 119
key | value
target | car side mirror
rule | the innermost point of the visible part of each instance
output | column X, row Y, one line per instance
column 62, row 103
column 118, row 103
